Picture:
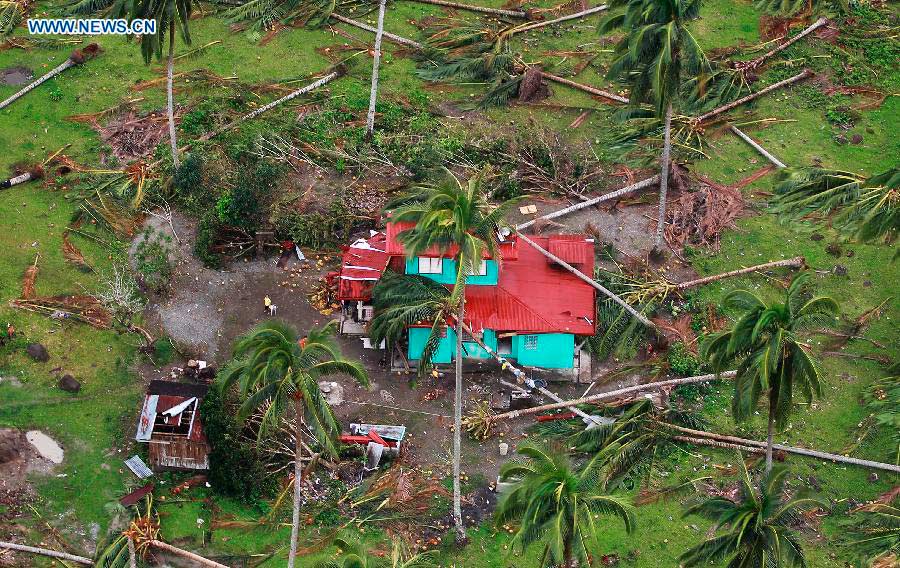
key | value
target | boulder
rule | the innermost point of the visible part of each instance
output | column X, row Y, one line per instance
column 69, row 383
column 37, row 352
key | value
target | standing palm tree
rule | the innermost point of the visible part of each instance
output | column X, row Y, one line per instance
column 278, row 370
column 168, row 14
column 652, row 58
column 457, row 217
column 558, row 504
column 766, row 347
column 757, row 527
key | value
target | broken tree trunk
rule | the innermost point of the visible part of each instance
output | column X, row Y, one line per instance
column 311, row 87
column 393, row 37
column 471, row 8
column 757, row 147
column 614, row 394
column 185, row 554
column 805, row 74
column 34, row 173
column 759, row 60
column 373, row 93
column 77, row 58
column 586, row 88
column 536, row 25
column 587, row 279
column 612, row 195
column 47, row 552
column 796, row 262
column 789, row 449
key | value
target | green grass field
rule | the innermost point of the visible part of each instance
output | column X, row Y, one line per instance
column 96, row 424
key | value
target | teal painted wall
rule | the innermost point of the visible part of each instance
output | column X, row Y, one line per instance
column 448, row 274
column 418, row 336
column 547, row 350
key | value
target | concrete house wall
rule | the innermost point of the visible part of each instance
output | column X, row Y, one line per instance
column 448, row 272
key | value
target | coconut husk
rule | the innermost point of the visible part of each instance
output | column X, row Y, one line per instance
column 532, row 89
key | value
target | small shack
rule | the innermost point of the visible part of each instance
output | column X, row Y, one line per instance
column 170, row 422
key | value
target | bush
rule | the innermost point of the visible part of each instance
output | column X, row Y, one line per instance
column 207, row 230
column 241, row 206
column 682, row 362
column 151, row 259
column 192, row 193
column 235, row 467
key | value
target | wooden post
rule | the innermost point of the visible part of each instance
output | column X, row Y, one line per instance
column 612, row 195
column 757, row 147
column 806, row 73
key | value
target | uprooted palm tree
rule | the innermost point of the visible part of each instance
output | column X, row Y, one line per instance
column 802, row 7
column 453, row 218
column 767, row 348
column 278, row 370
column 867, row 209
column 873, row 531
column 756, row 530
column 169, row 15
column 558, row 504
column 652, row 59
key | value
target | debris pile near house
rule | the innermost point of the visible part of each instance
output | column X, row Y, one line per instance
column 170, row 422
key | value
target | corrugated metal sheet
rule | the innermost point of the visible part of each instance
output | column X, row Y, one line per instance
column 138, row 467
column 571, row 248
column 147, row 418
column 508, row 249
column 362, row 264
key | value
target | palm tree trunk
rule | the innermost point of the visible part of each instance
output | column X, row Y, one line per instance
column 724, row 108
column 582, row 14
column 587, row 279
column 298, row 480
column 265, row 108
column 664, row 179
column 170, row 69
column 457, row 422
column 810, row 29
column 25, row 90
column 766, row 154
column 770, row 438
column 586, row 88
column 132, row 555
column 373, row 94
column 472, row 8
column 612, row 195
column 613, row 394
column 206, row 562
column 46, row 552
column 393, row 37
column 27, row 176
column 796, row 262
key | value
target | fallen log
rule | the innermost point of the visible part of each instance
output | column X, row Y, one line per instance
column 750, row 65
column 614, row 394
column 586, row 88
column 311, row 87
column 805, row 74
column 36, row 172
column 393, row 37
column 77, row 57
column 472, row 8
column 796, row 262
column 47, row 552
column 185, row 554
column 789, row 449
column 575, row 16
column 612, row 195
column 757, row 147
column 587, row 279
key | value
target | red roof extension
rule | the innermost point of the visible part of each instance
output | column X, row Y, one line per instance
column 361, row 267
column 395, row 248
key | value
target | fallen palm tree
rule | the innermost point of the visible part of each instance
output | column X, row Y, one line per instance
column 701, row 437
column 805, row 74
column 37, row 172
column 537, row 25
column 388, row 35
column 78, row 57
column 588, row 203
column 46, row 552
column 754, row 64
column 586, row 88
column 655, row 386
column 757, row 147
column 77, row 307
column 265, row 108
column 473, row 8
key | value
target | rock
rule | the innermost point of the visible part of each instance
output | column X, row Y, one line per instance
column 840, row 270
column 37, row 352
column 856, row 139
column 69, row 383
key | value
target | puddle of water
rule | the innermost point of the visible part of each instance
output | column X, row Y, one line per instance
column 45, row 445
column 16, row 76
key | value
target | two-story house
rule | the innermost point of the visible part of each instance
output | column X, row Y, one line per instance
column 524, row 306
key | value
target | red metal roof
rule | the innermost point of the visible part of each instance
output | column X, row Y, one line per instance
column 361, row 267
column 535, row 295
column 570, row 248
column 508, row 249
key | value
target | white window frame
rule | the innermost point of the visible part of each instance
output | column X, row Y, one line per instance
column 428, row 265
column 530, row 342
column 481, row 270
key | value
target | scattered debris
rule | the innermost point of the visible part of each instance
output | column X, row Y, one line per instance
column 138, row 467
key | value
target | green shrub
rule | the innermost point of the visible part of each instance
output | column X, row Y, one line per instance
column 151, row 258
column 192, row 194
column 235, row 467
column 163, row 351
column 682, row 362
column 207, row 230
column 241, row 207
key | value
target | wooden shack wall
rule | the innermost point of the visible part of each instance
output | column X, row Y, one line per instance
column 174, row 452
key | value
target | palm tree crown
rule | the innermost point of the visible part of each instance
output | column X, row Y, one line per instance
column 168, row 14
column 355, row 554
column 557, row 503
column 757, row 530
column 274, row 366
column 657, row 50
